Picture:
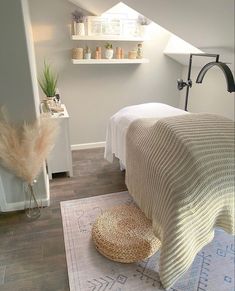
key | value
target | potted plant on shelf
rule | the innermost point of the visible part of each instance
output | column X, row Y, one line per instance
column 143, row 25
column 87, row 53
column 78, row 23
column 48, row 82
column 108, row 51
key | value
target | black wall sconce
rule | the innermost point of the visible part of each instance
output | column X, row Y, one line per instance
column 188, row 84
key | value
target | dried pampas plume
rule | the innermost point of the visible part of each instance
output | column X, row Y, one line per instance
column 23, row 149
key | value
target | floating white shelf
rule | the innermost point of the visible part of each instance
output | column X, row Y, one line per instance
column 112, row 61
column 108, row 38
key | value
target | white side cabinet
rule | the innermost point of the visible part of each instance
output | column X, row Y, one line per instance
column 60, row 158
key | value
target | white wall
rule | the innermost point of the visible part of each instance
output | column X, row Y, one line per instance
column 211, row 96
column 92, row 93
column 18, row 89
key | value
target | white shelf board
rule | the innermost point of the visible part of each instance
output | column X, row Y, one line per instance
column 112, row 61
column 108, row 38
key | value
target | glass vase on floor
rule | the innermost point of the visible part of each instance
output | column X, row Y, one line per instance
column 32, row 205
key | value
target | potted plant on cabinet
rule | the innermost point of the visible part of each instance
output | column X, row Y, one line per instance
column 48, row 83
column 108, row 51
column 78, row 23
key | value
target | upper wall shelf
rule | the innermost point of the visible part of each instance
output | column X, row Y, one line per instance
column 108, row 38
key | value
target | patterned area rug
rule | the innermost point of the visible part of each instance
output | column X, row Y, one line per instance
column 212, row 269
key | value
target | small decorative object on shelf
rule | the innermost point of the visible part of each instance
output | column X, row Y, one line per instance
column 143, row 25
column 78, row 23
column 77, row 53
column 130, row 27
column 80, row 28
column 108, row 51
column 132, row 54
column 98, row 53
column 23, row 150
column 139, row 51
column 122, row 53
column 97, row 25
column 87, row 53
column 118, row 53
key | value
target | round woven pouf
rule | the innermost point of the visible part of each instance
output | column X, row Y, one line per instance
column 124, row 234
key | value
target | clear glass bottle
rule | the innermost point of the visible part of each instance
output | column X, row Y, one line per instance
column 32, row 203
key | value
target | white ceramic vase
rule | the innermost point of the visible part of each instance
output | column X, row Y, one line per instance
column 87, row 56
column 109, row 54
column 143, row 30
column 80, row 28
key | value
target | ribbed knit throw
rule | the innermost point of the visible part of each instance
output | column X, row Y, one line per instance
column 180, row 171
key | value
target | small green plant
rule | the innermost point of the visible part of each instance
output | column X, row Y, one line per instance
column 87, row 50
column 108, row 46
column 48, row 81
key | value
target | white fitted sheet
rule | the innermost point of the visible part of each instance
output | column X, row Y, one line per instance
column 120, row 121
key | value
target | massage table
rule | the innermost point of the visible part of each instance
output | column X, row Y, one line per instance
column 180, row 172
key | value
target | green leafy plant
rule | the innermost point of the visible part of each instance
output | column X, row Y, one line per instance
column 48, row 81
column 87, row 50
column 108, row 46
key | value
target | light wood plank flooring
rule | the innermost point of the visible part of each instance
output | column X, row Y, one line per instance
column 32, row 254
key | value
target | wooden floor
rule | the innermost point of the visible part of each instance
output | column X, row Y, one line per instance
column 32, row 254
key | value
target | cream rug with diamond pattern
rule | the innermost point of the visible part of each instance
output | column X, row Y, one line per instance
column 212, row 269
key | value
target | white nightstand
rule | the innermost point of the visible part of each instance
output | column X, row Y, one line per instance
column 60, row 158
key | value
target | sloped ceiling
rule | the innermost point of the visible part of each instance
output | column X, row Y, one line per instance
column 203, row 23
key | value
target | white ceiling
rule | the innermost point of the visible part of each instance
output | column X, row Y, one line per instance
column 203, row 23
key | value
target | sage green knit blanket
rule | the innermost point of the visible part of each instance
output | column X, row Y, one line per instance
column 180, row 171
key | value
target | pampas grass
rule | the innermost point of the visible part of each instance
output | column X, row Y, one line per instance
column 23, row 149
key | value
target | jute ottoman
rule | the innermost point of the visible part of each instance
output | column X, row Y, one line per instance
column 124, row 234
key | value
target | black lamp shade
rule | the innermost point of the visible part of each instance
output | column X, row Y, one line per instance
column 227, row 73
column 188, row 84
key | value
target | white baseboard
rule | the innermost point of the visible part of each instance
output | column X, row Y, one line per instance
column 21, row 205
column 83, row 146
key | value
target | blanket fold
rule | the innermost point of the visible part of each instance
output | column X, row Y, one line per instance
column 180, row 171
